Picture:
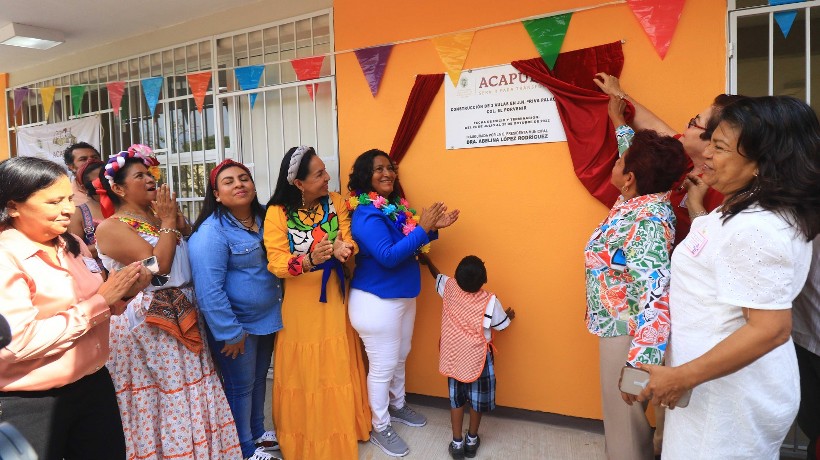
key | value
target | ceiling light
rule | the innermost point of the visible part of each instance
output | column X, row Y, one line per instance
column 30, row 36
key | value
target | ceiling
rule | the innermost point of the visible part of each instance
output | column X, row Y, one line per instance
column 92, row 23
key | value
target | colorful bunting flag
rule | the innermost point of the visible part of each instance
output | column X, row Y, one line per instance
column 19, row 95
column 547, row 34
column 785, row 20
column 659, row 19
column 373, row 62
column 308, row 69
column 47, row 94
column 115, row 90
column 77, row 95
column 248, row 78
column 783, row 2
column 198, row 82
column 151, row 87
column 453, row 50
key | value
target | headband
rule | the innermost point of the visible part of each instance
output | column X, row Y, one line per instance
column 295, row 161
column 82, row 169
column 138, row 151
column 225, row 164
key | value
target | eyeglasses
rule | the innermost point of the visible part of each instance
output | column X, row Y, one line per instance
column 384, row 169
column 694, row 124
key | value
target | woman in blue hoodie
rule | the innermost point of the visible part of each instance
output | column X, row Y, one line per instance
column 382, row 305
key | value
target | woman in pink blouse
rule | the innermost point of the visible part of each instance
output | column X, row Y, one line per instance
column 54, row 387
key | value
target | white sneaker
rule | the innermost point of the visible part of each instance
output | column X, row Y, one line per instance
column 267, row 442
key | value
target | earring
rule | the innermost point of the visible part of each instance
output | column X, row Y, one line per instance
column 303, row 198
column 625, row 188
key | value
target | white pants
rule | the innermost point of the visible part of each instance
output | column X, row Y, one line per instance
column 386, row 328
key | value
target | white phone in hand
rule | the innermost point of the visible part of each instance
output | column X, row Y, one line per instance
column 634, row 380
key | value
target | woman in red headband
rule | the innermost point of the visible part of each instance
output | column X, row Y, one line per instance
column 240, row 300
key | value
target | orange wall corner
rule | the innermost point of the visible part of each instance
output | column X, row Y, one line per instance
column 523, row 210
column 5, row 148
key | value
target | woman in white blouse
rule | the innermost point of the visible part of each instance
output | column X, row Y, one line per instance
column 733, row 282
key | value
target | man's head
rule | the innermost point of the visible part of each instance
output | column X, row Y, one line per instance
column 78, row 154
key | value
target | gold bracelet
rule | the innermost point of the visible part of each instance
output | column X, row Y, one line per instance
column 697, row 214
column 171, row 230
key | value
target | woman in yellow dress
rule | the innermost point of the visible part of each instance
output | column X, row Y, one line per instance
column 319, row 392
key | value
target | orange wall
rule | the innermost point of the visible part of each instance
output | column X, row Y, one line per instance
column 5, row 150
column 523, row 210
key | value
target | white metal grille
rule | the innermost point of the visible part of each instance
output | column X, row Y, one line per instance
column 762, row 61
column 189, row 143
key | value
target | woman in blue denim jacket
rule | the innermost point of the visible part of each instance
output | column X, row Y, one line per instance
column 239, row 298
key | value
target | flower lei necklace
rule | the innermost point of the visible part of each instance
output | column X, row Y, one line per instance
column 402, row 216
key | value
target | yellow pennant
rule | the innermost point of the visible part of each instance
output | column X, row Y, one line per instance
column 453, row 49
column 47, row 94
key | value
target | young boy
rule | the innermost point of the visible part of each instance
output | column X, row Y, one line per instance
column 465, row 355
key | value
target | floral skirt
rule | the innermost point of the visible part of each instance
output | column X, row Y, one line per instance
column 171, row 400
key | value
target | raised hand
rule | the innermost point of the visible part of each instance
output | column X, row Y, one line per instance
column 447, row 219
column 609, row 84
column 322, row 252
column 119, row 284
column 431, row 215
column 342, row 250
column 165, row 206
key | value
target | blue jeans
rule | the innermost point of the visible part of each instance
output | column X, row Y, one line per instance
column 244, row 380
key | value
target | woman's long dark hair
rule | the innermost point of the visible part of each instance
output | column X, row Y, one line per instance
column 89, row 188
column 288, row 195
column 782, row 135
column 361, row 178
column 21, row 177
column 211, row 206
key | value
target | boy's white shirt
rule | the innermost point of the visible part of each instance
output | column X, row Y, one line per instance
column 493, row 315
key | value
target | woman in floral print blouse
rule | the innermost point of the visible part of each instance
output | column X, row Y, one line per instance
column 627, row 279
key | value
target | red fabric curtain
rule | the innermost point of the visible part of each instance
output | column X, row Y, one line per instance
column 421, row 97
column 583, row 110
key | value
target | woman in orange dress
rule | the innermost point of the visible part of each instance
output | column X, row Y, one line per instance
column 319, row 393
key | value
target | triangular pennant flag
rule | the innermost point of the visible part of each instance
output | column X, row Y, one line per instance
column 248, row 78
column 198, row 82
column 373, row 62
column 453, row 50
column 151, row 87
column 47, row 94
column 19, row 95
column 547, row 34
column 308, row 69
column 785, row 19
column 659, row 19
column 115, row 90
column 77, row 95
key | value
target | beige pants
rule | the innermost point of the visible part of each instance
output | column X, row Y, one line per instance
column 626, row 429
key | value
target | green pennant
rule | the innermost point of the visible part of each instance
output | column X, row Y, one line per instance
column 77, row 95
column 547, row 34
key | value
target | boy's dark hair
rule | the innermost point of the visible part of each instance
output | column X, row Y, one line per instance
column 471, row 274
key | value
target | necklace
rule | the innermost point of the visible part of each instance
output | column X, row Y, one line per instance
column 402, row 216
column 147, row 219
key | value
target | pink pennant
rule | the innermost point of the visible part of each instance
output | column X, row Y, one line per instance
column 115, row 91
column 198, row 82
column 659, row 19
column 308, row 69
